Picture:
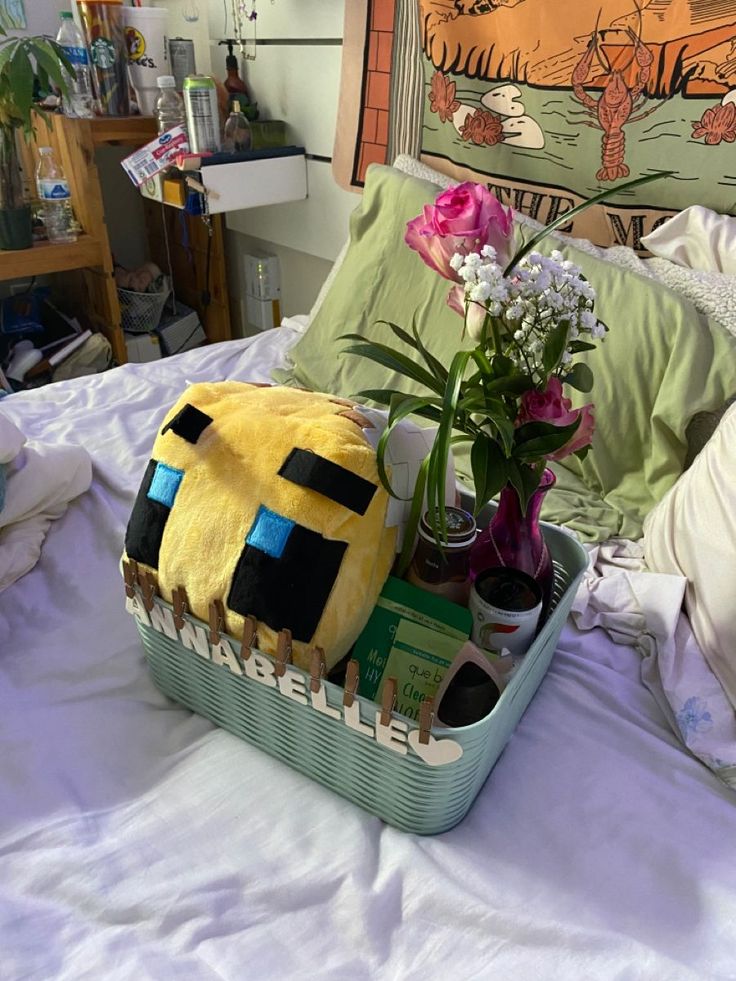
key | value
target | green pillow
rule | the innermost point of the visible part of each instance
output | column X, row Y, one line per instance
column 661, row 362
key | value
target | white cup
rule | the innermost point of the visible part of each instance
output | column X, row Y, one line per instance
column 147, row 43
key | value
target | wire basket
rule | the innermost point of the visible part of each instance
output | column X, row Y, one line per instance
column 140, row 313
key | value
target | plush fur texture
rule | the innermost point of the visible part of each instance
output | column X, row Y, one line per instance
column 300, row 537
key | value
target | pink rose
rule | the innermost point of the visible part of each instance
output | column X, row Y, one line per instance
column 463, row 219
column 551, row 406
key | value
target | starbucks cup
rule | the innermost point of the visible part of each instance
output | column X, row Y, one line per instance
column 147, row 43
column 102, row 21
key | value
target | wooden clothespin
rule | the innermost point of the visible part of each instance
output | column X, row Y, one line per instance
column 317, row 668
column 250, row 639
column 352, row 677
column 283, row 652
column 217, row 620
column 388, row 700
column 181, row 605
column 130, row 575
column 426, row 717
column 147, row 582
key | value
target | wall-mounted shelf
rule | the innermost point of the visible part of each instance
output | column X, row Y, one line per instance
column 251, row 181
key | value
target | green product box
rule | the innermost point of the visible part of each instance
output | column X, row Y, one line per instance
column 413, row 636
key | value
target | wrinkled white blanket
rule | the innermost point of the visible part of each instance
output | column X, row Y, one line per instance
column 643, row 609
column 41, row 480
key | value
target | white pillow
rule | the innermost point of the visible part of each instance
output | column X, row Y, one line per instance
column 692, row 533
column 697, row 238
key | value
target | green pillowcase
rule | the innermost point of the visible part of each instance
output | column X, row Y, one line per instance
column 661, row 362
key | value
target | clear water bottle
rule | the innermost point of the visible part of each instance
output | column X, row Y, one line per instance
column 80, row 100
column 170, row 110
column 56, row 199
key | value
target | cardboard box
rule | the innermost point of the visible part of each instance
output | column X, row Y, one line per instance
column 142, row 348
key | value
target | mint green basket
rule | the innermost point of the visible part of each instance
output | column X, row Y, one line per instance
column 403, row 790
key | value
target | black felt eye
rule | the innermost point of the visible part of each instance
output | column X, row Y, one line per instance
column 189, row 423
column 307, row 469
column 150, row 513
column 289, row 590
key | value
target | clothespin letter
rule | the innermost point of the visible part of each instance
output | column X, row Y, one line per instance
column 388, row 700
column 147, row 582
column 250, row 639
column 352, row 676
column 426, row 716
column 283, row 652
column 130, row 575
column 217, row 620
column 181, row 605
column 317, row 668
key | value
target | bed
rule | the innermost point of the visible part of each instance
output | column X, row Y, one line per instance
column 139, row 841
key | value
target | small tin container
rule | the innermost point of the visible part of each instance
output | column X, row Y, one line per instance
column 445, row 569
column 203, row 114
column 506, row 605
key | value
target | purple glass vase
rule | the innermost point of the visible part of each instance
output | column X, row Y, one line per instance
column 515, row 540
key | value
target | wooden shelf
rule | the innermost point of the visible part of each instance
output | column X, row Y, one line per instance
column 130, row 130
column 47, row 257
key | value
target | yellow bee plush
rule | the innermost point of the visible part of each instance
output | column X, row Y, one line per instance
column 268, row 499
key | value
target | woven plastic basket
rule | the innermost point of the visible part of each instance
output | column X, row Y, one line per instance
column 403, row 790
column 140, row 313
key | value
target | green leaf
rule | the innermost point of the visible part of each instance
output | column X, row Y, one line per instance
column 384, row 395
column 579, row 377
column 54, row 64
column 7, row 51
column 435, row 366
column 569, row 215
column 415, row 514
column 399, row 411
column 399, row 332
column 395, row 361
column 505, row 429
column 489, row 470
column 537, row 439
column 513, row 385
column 524, row 479
column 437, row 473
column 554, row 344
column 21, row 83
column 577, row 346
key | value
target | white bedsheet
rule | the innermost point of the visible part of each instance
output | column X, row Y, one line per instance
column 139, row 842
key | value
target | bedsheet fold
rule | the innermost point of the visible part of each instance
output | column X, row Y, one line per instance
column 40, row 481
column 643, row 610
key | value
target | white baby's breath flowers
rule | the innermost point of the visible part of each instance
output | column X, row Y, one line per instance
column 540, row 293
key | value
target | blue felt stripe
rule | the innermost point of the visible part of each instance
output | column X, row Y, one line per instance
column 270, row 532
column 165, row 484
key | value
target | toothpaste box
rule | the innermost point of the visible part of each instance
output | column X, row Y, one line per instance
column 157, row 155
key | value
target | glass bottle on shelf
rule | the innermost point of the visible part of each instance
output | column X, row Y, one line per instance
column 237, row 130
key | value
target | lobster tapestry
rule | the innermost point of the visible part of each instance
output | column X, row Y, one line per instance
column 551, row 101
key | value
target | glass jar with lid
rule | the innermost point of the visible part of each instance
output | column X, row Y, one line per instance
column 445, row 568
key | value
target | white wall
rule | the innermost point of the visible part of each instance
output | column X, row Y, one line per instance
column 294, row 77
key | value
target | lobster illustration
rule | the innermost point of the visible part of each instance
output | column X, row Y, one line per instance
column 613, row 110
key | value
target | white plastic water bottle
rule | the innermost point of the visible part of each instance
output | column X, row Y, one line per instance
column 80, row 99
column 56, row 199
column 170, row 110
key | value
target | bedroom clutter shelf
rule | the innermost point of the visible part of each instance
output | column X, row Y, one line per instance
column 88, row 262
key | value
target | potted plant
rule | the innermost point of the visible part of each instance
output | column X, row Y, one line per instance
column 23, row 60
